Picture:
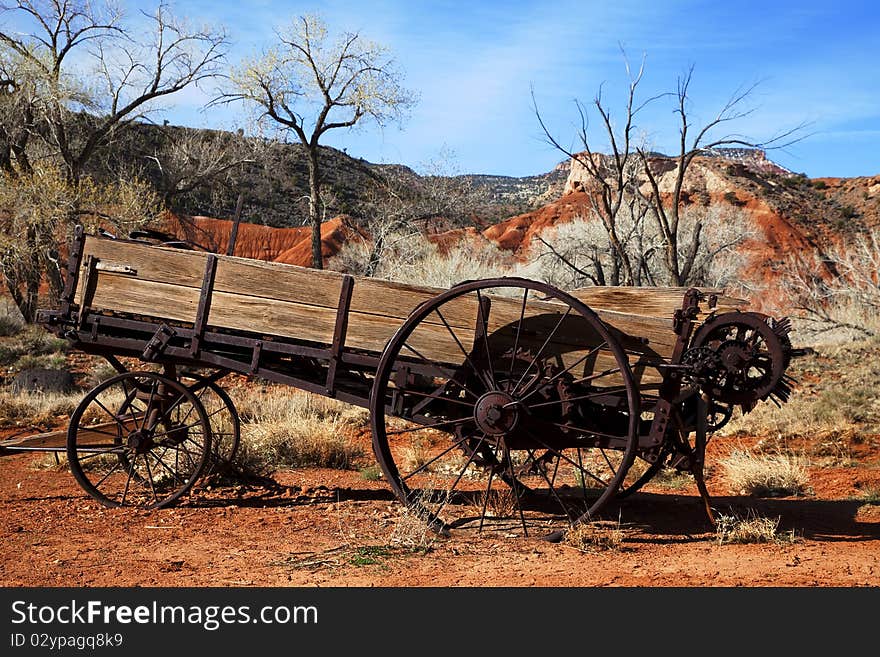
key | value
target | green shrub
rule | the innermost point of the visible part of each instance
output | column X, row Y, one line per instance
column 848, row 212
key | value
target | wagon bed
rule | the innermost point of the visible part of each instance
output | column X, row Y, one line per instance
column 200, row 293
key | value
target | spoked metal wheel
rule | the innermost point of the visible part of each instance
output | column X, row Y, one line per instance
column 504, row 405
column 138, row 439
column 223, row 417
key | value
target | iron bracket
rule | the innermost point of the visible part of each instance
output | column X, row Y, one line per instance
column 683, row 324
column 204, row 304
column 74, row 256
column 339, row 332
column 158, row 343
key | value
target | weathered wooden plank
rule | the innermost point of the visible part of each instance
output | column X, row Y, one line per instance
column 49, row 439
column 234, row 275
column 366, row 331
column 651, row 301
column 269, row 280
column 94, row 435
column 303, row 285
column 120, row 293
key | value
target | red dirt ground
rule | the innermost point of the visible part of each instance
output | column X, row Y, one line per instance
column 335, row 528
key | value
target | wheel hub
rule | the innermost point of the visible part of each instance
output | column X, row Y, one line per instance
column 139, row 442
column 734, row 355
column 496, row 413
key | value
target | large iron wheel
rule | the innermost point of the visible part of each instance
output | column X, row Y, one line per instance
column 504, row 405
column 138, row 439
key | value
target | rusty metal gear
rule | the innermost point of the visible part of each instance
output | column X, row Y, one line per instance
column 752, row 353
column 702, row 361
column 719, row 415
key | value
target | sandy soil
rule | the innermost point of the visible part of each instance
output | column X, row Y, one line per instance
column 334, row 528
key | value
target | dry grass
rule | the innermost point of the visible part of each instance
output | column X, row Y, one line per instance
column 423, row 263
column 411, row 532
column 416, row 455
column 672, row 479
column 371, row 473
column 595, row 536
column 30, row 409
column 765, row 475
column 869, row 495
column 282, row 427
column 499, row 503
column 31, row 346
column 732, row 529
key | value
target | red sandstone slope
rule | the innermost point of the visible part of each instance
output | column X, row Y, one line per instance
column 291, row 246
column 776, row 235
column 787, row 213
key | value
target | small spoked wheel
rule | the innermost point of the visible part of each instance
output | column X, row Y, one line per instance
column 504, row 405
column 138, row 439
column 223, row 417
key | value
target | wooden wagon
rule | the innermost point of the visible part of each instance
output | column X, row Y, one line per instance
column 494, row 403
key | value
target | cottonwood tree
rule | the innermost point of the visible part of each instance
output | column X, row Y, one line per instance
column 576, row 253
column 635, row 182
column 36, row 211
column 400, row 207
column 19, row 96
column 613, row 177
column 74, row 75
column 311, row 82
column 697, row 140
column 88, row 72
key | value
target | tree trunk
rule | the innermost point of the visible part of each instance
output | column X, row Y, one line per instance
column 53, row 275
column 6, row 160
column 375, row 256
column 315, row 207
column 30, row 302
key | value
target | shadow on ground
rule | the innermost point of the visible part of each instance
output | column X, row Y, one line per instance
column 682, row 517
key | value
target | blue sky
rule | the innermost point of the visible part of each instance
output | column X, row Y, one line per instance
column 473, row 64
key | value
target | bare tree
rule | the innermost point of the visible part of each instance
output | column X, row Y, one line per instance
column 117, row 75
column 837, row 290
column 694, row 141
column 613, row 177
column 633, row 180
column 188, row 159
column 19, row 96
column 400, row 208
column 311, row 83
column 577, row 253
